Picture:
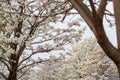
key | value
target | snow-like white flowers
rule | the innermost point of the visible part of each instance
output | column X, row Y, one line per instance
column 9, row 28
column 52, row 5
column 2, row 38
column 84, row 45
column 1, row 52
column 74, row 23
column 32, row 25
column 40, row 48
column 103, row 77
column 15, row 4
column 9, row 52
column 80, row 49
column 45, row 47
column 27, row 43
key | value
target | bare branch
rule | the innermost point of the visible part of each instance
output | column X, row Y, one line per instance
column 4, row 59
column 5, row 64
column 101, row 8
column 4, row 76
column 40, row 61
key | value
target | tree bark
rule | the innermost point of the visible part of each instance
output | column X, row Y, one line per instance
column 12, row 76
column 13, row 68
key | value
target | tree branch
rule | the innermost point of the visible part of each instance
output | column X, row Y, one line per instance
column 101, row 8
column 103, row 41
column 40, row 61
column 3, row 75
column 4, row 59
column 5, row 64
column 84, row 12
column 93, row 8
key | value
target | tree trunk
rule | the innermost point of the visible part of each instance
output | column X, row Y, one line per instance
column 13, row 72
column 12, row 76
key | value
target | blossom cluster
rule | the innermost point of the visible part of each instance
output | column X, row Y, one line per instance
column 96, row 66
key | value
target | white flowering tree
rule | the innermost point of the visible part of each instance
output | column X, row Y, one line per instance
column 26, row 29
column 89, row 62
column 49, row 70
column 85, row 62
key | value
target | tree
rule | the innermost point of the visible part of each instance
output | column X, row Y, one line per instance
column 50, row 70
column 84, row 62
column 91, row 62
column 93, row 13
column 26, row 29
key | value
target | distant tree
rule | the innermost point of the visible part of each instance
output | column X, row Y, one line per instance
column 27, row 29
column 90, row 61
column 85, row 62
column 93, row 12
column 49, row 70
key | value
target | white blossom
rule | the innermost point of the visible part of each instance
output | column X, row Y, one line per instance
column 40, row 48
column 52, row 5
column 15, row 4
column 28, row 27
column 74, row 23
column 27, row 43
